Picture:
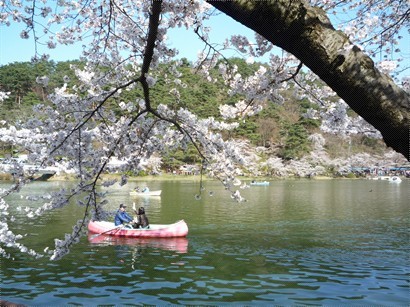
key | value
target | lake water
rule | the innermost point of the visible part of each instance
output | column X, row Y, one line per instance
column 295, row 242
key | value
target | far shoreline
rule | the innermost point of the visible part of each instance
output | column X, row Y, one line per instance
column 195, row 178
column 172, row 177
column 188, row 178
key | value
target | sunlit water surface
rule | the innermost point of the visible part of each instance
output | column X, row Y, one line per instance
column 295, row 242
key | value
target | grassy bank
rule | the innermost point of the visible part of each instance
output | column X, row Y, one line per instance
column 6, row 177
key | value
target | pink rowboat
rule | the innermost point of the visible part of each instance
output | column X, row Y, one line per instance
column 178, row 229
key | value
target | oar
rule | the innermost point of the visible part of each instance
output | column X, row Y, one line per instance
column 101, row 233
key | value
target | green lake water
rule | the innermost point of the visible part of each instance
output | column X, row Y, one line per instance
column 295, row 242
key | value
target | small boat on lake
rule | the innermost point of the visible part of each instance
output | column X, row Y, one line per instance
column 178, row 229
column 395, row 179
column 146, row 193
column 261, row 183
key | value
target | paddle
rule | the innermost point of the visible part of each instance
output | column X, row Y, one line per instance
column 101, row 233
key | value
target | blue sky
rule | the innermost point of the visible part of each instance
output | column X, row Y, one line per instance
column 15, row 49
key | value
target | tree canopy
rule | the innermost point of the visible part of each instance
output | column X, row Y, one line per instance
column 307, row 33
column 128, row 43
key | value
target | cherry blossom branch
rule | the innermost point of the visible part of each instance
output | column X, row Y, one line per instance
column 293, row 75
column 93, row 112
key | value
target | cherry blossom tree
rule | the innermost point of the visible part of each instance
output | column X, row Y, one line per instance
column 125, row 43
column 306, row 32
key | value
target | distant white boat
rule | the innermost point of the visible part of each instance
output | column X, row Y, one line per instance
column 148, row 193
column 387, row 178
column 264, row 183
column 395, row 179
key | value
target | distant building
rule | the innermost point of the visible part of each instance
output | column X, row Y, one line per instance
column 188, row 169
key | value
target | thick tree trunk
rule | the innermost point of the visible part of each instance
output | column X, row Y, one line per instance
column 307, row 33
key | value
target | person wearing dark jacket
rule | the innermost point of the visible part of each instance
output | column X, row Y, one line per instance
column 141, row 220
column 122, row 217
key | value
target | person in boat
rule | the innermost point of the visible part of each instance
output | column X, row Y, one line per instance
column 141, row 220
column 122, row 217
column 137, row 189
column 145, row 190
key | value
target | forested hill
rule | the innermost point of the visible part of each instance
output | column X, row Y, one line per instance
column 280, row 129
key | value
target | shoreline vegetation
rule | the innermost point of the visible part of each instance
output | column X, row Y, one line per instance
column 172, row 177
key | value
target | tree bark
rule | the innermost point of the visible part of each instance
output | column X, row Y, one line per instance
column 308, row 34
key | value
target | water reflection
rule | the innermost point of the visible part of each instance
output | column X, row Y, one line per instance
column 179, row 245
